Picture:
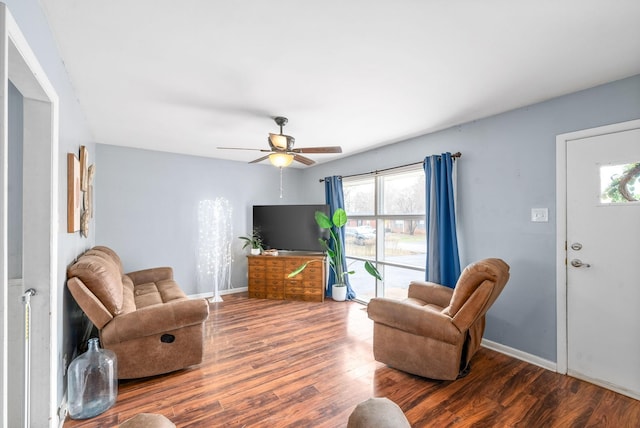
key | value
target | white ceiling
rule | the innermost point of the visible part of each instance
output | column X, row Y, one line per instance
column 188, row 76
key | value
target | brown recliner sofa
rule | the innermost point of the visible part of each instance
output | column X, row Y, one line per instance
column 143, row 316
column 436, row 330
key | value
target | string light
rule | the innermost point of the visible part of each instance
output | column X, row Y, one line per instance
column 214, row 245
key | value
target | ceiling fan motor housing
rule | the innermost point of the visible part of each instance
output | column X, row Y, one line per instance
column 281, row 121
column 281, row 142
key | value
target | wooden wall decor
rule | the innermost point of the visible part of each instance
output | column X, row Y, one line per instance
column 74, row 199
column 84, row 164
column 87, row 200
column 79, row 192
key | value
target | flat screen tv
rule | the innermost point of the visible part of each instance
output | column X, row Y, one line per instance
column 290, row 227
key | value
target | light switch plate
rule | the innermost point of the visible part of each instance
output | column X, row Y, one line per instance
column 539, row 214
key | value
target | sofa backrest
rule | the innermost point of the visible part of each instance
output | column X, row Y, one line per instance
column 478, row 287
column 108, row 254
column 102, row 276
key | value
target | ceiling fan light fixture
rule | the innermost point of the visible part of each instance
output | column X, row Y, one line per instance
column 279, row 141
column 280, row 160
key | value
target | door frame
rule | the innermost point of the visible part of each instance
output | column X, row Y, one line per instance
column 562, row 354
column 19, row 65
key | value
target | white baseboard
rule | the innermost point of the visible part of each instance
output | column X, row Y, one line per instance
column 222, row 292
column 520, row 355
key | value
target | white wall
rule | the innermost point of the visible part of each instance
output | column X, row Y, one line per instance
column 15, row 184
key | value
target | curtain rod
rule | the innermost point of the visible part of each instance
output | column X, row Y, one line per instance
column 455, row 155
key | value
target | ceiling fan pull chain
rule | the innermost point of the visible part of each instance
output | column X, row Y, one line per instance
column 280, row 182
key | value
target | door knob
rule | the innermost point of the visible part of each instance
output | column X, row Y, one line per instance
column 578, row 263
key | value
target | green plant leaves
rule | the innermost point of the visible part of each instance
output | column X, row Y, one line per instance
column 372, row 270
column 323, row 220
column 340, row 218
column 298, row 270
column 335, row 255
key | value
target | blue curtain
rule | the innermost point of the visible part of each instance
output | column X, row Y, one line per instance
column 443, row 262
column 335, row 199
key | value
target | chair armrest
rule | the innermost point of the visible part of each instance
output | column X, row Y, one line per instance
column 430, row 292
column 150, row 275
column 155, row 319
column 412, row 318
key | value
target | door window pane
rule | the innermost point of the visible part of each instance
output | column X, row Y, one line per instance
column 620, row 184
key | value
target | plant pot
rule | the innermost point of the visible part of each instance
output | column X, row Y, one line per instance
column 339, row 292
column 255, row 251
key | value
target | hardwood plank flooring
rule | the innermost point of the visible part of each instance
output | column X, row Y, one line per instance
column 272, row 363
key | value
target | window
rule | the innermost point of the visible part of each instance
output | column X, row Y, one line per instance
column 386, row 226
column 620, row 184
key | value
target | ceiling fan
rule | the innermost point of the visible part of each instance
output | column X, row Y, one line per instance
column 281, row 150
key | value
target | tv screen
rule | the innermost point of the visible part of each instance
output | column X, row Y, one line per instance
column 289, row 227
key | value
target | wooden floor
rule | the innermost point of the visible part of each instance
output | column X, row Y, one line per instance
column 295, row 364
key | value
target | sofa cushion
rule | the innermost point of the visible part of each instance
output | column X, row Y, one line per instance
column 154, row 320
column 102, row 279
column 112, row 254
column 115, row 264
column 378, row 413
column 128, row 298
column 155, row 293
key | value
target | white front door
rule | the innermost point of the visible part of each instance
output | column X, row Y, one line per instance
column 603, row 259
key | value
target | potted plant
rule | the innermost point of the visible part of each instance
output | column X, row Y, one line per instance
column 254, row 241
column 339, row 289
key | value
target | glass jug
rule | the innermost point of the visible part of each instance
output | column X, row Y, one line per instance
column 92, row 382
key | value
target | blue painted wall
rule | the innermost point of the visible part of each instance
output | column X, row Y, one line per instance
column 147, row 207
column 507, row 167
column 147, row 200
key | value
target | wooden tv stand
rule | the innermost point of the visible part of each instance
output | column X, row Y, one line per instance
column 268, row 276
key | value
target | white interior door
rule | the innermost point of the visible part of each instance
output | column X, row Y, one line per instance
column 603, row 252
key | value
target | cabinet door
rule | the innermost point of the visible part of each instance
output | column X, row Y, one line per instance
column 257, row 281
column 307, row 285
column 274, row 277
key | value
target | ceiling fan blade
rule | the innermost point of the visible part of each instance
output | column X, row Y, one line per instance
column 260, row 159
column 302, row 159
column 328, row 149
column 242, row 148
